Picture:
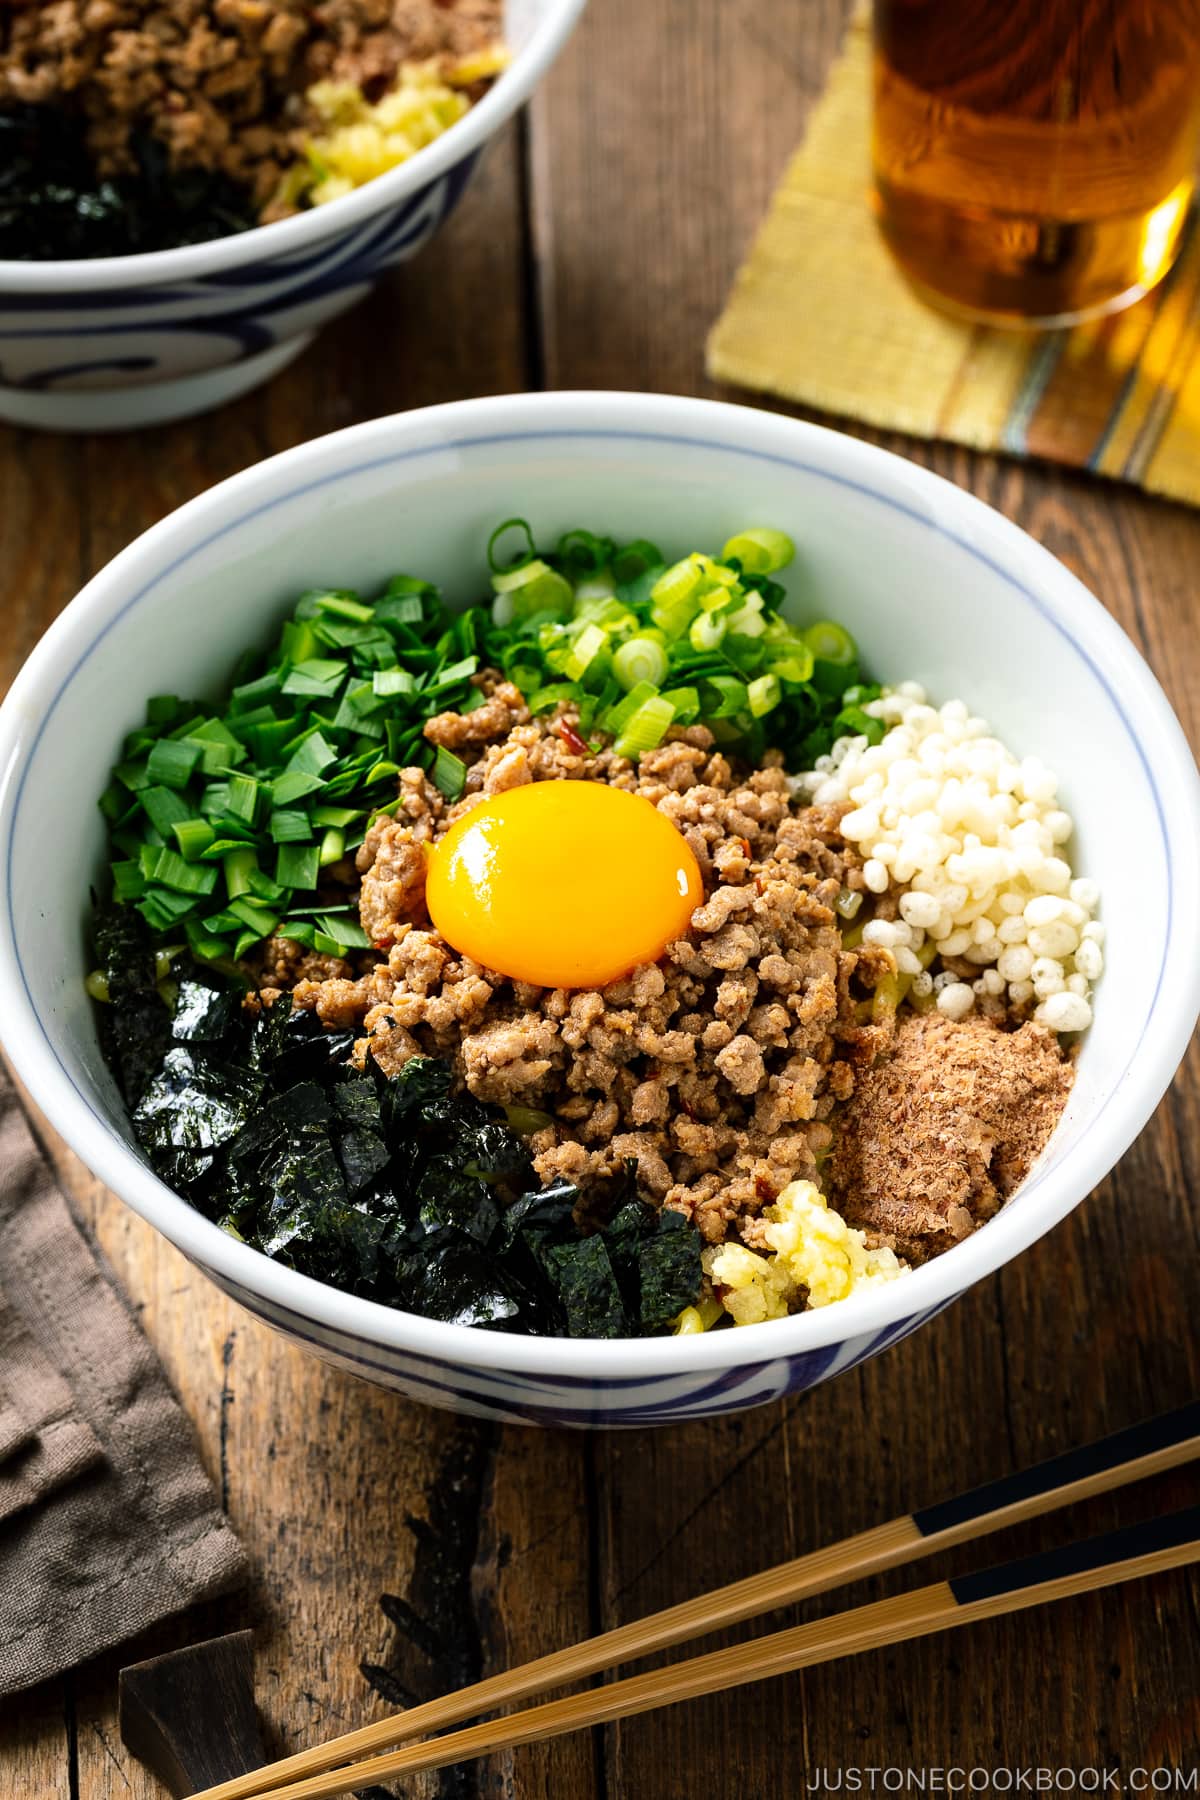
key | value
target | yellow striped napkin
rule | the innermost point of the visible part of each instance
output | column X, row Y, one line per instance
column 820, row 315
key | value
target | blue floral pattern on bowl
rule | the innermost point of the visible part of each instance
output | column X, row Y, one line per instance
column 570, row 1401
column 240, row 324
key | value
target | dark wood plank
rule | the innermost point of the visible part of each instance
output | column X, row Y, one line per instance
column 190, row 1715
column 647, row 189
column 341, row 1492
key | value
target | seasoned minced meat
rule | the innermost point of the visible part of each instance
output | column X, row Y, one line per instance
column 715, row 1069
column 219, row 82
column 939, row 1133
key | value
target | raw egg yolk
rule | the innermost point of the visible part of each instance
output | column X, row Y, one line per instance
column 567, row 884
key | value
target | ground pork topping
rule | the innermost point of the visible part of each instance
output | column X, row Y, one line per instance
column 756, row 1050
column 220, row 82
column 938, row 1134
column 713, row 1070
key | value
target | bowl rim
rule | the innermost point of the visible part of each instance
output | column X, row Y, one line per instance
column 935, row 504
column 284, row 237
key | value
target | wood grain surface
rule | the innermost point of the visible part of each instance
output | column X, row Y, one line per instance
column 595, row 250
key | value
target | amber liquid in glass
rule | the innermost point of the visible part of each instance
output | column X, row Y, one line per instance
column 1035, row 159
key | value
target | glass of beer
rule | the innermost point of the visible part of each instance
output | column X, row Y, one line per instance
column 1035, row 159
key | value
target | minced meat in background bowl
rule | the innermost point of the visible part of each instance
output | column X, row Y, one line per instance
column 116, row 342
column 934, row 586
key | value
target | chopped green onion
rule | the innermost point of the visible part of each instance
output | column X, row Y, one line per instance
column 760, row 550
column 246, row 697
column 252, row 913
column 170, row 870
column 449, row 773
column 763, row 694
column 244, row 795
column 205, row 944
column 583, row 551
column 677, row 583
column 545, row 699
column 616, row 717
column 187, row 728
column 532, row 588
column 263, row 888
column 128, row 881
column 592, row 592
column 238, row 866
column 219, row 749
column 298, row 865
column 312, row 756
column 831, row 643
column 646, row 728
column 221, row 848
column 298, row 640
column 348, row 932
column 164, row 808
column 193, row 837
column 114, row 802
column 635, row 559
column 640, row 659
column 795, row 665
column 293, row 784
column 852, row 721
column 162, row 909
column 319, row 676
column 131, row 775
column 494, row 563
column 724, row 696
column 343, row 606
column 451, row 676
column 586, row 648
column 403, row 608
column 747, row 621
column 171, row 763
column 685, row 703
column 267, row 741
column 300, row 931
column 290, row 827
column 706, row 631
column 337, row 708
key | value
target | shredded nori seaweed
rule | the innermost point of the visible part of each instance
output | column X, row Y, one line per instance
column 54, row 205
column 389, row 1187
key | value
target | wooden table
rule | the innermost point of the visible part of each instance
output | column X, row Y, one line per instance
column 595, row 251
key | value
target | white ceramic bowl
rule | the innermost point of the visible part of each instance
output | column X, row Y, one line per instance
column 935, row 586
column 126, row 341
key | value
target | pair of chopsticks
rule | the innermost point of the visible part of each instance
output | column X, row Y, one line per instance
column 1131, row 1455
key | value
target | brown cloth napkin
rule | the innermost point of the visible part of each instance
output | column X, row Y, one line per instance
column 108, row 1522
column 43, row 1441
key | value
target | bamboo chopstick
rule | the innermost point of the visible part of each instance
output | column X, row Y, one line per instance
column 1125, row 1555
column 1133, row 1454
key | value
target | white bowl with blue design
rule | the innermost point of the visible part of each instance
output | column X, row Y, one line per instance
column 935, row 586
column 125, row 341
